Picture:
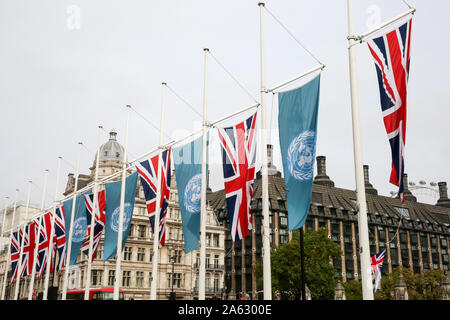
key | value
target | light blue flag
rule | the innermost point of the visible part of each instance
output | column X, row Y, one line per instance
column 112, row 212
column 188, row 170
column 297, row 123
column 79, row 222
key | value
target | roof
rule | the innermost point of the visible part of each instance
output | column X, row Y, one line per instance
column 341, row 202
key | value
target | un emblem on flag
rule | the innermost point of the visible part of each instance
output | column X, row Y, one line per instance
column 192, row 194
column 127, row 214
column 301, row 156
column 79, row 228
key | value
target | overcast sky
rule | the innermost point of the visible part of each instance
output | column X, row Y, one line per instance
column 69, row 66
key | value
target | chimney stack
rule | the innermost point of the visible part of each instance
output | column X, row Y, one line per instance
column 443, row 201
column 408, row 195
column 369, row 188
column 321, row 177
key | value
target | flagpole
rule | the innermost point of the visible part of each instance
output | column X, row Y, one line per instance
column 121, row 212
column 363, row 230
column 19, row 263
column 8, row 257
column 153, row 286
column 202, row 269
column 52, row 232
column 265, row 187
column 94, row 208
column 69, row 245
column 36, row 242
column 4, row 215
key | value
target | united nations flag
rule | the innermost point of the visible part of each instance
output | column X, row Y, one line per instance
column 79, row 225
column 297, row 123
column 112, row 212
column 188, row 170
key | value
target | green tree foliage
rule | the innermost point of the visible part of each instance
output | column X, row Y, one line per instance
column 319, row 273
column 353, row 290
column 424, row 286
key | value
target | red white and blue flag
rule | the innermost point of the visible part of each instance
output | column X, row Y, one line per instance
column 391, row 53
column 99, row 221
column 29, row 243
column 16, row 241
column 238, row 145
column 44, row 243
column 148, row 173
column 60, row 237
column 377, row 265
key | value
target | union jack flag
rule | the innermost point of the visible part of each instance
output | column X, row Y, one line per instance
column 60, row 237
column 377, row 265
column 377, row 261
column 16, row 239
column 148, row 173
column 44, row 243
column 29, row 243
column 238, row 144
column 391, row 53
column 99, row 221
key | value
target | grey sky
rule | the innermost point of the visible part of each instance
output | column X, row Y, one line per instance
column 59, row 82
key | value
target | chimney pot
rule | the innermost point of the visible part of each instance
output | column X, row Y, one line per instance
column 443, row 201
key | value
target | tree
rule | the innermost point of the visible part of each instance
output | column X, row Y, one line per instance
column 319, row 273
column 353, row 290
column 424, row 286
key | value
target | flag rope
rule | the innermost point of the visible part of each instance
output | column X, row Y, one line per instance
column 148, row 121
column 234, row 78
column 293, row 37
column 184, row 101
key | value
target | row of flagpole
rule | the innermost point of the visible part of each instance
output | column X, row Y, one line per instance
column 266, row 226
column 359, row 178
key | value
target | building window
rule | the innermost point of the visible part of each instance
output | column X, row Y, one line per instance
column 283, row 220
column 142, row 231
column 96, row 277
column 127, row 253
column 139, row 279
column 207, row 281
column 216, row 282
column 175, row 254
column 126, row 276
column 216, row 261
column 208, row 239
column 111, row 277
column 216, row 240
column 176, row 280
column 141, row 254
column 207, row 260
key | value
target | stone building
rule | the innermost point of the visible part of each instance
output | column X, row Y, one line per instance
column 177, row 270
column 415, row 235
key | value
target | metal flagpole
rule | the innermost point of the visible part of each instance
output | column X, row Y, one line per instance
column 366, row 278
column 4, row 215
column 69, row 244
column 8, row 257
column 36, row 242
column 94, row 209
column 265, row 187
column 202, row 269
column 154, row 284
column 19, row 263
column 121, row 212
column 52, row 232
